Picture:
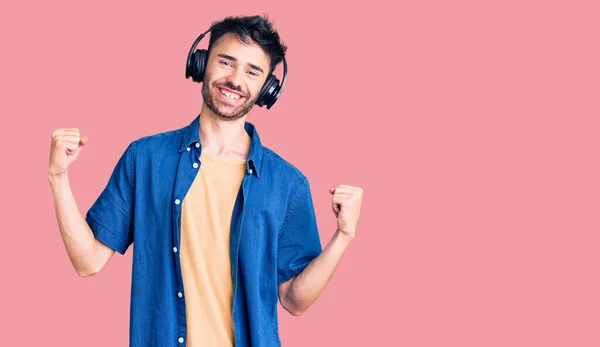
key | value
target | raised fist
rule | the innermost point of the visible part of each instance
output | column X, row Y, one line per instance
column 346, row 204
column 64, row 150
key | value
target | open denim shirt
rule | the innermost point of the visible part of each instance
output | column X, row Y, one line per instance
column 274, row 234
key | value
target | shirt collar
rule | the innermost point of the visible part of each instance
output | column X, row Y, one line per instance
column 191, row 136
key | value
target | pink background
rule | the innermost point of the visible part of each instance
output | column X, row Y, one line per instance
column 473, row 129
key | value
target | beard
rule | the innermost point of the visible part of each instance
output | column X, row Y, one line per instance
column 221, row 109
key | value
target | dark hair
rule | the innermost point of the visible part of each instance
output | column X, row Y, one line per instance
column 251, row 28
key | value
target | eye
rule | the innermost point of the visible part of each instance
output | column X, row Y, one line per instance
column 224, row 62
column 253, row 73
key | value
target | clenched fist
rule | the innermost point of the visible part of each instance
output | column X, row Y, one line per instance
column 65, row 148
column 346, row 204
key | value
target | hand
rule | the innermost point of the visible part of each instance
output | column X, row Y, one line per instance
column 346, row 204
column 64, row 150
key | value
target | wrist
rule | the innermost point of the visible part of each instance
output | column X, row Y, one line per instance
column 55, row 178
column 346, row 236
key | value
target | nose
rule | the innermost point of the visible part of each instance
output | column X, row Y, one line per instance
column 236, row 78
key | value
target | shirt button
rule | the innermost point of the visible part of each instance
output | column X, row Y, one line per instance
column 187, row 149
column 180, row 340
column 175, row 249
column 195, row 165
column 179, row 294
column 177, row 201
column 197, row 144
column 250, row 171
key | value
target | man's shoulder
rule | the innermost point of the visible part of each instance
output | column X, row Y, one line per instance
column 167, row 135
column 281, row 166
column 165, row 141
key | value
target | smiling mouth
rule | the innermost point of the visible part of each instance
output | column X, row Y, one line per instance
column 230, row 95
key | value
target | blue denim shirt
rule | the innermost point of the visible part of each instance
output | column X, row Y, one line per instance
column 274, row 234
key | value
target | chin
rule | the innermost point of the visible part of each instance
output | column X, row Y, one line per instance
column 223, row 109
column 226, row 112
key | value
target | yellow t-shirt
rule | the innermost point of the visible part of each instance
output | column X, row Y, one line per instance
column 205, row 254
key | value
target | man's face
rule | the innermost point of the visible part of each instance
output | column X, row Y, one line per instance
column 235, row 74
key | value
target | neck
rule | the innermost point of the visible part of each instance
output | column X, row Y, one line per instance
column 223, row 138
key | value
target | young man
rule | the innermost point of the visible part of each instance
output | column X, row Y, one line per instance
column 223, row 227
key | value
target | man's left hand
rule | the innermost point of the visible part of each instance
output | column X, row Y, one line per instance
column 346, row 204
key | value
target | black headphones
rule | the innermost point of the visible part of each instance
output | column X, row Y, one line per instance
column 196, row 65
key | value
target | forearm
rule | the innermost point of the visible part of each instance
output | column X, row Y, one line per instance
column 308, row 285
column 77, row 236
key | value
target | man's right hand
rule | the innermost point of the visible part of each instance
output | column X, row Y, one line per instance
column 65, row 148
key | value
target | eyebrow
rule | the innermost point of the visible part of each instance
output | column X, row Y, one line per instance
column 226, row 56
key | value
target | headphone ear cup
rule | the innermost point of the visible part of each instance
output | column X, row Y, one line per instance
column 199, row 65
column 268, row 91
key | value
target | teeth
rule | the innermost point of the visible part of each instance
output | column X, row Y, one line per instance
column 229, row 95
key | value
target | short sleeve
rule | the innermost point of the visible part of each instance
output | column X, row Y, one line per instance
column 111, row 215
column 299, row 242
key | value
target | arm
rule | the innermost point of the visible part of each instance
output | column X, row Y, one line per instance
column 108, row 225
column 87, row 254
column 300, row 292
